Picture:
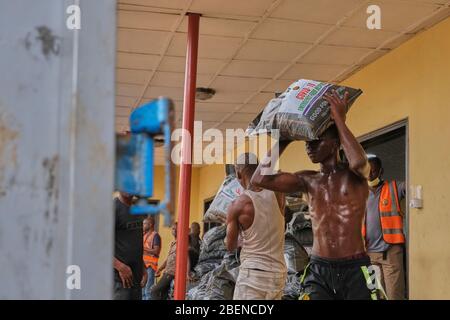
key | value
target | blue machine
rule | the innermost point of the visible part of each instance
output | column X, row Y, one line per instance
column 135, row 157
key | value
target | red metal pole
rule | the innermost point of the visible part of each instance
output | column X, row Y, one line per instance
column 184, row 193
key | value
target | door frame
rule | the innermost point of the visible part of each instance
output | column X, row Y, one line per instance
column 404, row 123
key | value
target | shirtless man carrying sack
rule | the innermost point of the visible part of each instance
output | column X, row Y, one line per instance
column 337, row 194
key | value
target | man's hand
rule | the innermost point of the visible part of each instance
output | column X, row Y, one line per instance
column 158, row 273
column 126, row 275
column 144, row 278
column 338, row 106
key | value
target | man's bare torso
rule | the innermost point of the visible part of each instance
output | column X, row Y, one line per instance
column 337, row 203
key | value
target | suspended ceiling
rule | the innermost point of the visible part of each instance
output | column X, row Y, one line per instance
column 248, row 50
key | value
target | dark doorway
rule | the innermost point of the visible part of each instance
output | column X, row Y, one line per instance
column 390, row 144
column 208, row 225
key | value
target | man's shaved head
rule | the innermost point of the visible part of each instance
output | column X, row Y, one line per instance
column 246, row 163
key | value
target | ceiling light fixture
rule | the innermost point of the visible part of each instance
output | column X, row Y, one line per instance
column 204, row 93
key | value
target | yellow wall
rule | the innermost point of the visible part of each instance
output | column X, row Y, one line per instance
column 195, row 215
column 205, row 183
column 412, row 81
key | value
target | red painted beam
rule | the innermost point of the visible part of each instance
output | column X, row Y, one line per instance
column 184, row 192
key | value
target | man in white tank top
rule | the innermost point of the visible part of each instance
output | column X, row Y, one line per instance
column 258, row 215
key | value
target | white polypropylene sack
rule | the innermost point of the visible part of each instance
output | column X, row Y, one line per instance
column 301, row 112
column 229, row 190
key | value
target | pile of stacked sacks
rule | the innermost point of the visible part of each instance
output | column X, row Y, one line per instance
column 217, row 270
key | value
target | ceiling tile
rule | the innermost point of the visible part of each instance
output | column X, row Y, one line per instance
column 132, row 76
column 334, row 55
column 125, row 101
column 242, row 117
column 146, row 20
column 172, row 93
column 278, row 85
column 261, row 98
column 355, row 37
column 268, row 50
column 168, row 79
column 122, row 111
column 322, row 11
column 215, row 107
column 220, row 27
column 320, row 72
column 436, row 18
column 136, row 61
column 123, row 121
column 209, row 46
column 256, row 69
column 395, row 15
column 141, row 41
column 255, row 8
column 287, row 30
column 398, row 41
column 177, row 64
column 128, row 90
column 230, row 96
column 176, row 79
column 253, row 107
column 208, row 116
column 224, row 83
column 172, row 4
column 233, row 125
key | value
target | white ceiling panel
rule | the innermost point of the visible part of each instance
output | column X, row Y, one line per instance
column 255, row 69
column 278, row 85
column 173, row 93
column 132, row 76
column 172, row 4
column 254, row 8
column 320, row 72
column 334, row 55
column 141, row 41
column 250, row 49
column 242, row 117
column 267, row 50
column 123, row 111
column 321, row 11
column 261, row 98
column 230, row 96
column 223, row 83
column 125, row 101
column 290, row 31
column 128, row 90
column 175, row 79
column 254, row 107
column 208, row 116
column 177, row 64
column 362, row 38
column 146, row 20
column 215, row 107
column 208, row 46
column 220, row 27
column 395, row 15
column 136, row 61
column 233, row 125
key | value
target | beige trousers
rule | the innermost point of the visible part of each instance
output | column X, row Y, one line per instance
column 259, row 285
column 392, row 271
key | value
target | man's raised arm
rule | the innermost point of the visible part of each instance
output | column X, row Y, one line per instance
column 279, row 182
column 353, row 150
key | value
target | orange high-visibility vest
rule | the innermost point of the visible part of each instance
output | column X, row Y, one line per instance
column 391, row 215
column 150, row 260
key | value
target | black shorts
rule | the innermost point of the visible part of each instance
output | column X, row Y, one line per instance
column 340, row 279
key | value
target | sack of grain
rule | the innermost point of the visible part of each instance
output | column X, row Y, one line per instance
column 229, row 190
column 300, row 112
